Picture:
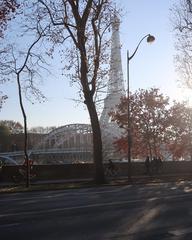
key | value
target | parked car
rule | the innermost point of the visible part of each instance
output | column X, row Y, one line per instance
column 7, row 161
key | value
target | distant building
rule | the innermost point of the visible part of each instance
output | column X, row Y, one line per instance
column 110, row 130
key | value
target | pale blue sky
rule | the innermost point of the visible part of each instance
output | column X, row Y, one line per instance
column 152, row 66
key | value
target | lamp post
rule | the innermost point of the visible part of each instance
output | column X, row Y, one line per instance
column 150, row 39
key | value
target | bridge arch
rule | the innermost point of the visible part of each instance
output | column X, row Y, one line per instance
column 70, row 143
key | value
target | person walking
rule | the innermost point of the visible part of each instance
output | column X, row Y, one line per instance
column 147, row 165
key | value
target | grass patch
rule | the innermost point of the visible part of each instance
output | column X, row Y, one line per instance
column 44, row 187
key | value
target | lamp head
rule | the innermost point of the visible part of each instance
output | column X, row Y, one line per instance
column 150, row 38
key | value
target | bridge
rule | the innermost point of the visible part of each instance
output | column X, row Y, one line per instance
column 52, row 156
column 67, row 144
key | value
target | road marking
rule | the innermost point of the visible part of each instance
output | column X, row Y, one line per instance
column 54, row 195
column 180, row 232
column 92, row 206
column 68, row 208
column 9, row 225
column 73, row 193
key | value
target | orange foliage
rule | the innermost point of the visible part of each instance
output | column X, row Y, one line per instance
column 155, row 126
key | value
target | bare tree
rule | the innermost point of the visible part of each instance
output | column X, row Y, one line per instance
column 81, row 27
column 2, row 99
column 24, row 66
column 182, row 23
column 42, row 130
column 7, row 9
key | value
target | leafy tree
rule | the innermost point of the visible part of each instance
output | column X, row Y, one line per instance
column 4, row 137
column 156, row 126
column 14, row 127
column 83, row 27
column 180, row 131
column 149, row 121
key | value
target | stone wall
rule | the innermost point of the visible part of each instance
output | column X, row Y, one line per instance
column 79, row 171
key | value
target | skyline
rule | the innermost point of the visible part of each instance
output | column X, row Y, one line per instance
column 151, row 67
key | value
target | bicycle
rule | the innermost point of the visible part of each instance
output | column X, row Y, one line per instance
column 21, row 175
column 111, row 172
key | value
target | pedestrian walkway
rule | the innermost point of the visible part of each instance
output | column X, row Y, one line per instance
column 142, row 179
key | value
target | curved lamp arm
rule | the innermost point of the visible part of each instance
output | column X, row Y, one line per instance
column 150, row 39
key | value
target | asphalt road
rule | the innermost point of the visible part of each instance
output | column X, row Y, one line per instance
column 140, row 212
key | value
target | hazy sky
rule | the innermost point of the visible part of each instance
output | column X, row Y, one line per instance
column 152, row 66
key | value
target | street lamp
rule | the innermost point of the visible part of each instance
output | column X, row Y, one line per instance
column 150, row 39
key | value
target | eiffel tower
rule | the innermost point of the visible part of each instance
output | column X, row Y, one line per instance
column 110, row 130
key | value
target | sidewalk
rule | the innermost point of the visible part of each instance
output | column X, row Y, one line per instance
column 52, row 181
column 142, row 179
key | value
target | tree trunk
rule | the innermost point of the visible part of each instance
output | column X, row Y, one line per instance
column 150, row 149
column 25, row 132
column 97, row 143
